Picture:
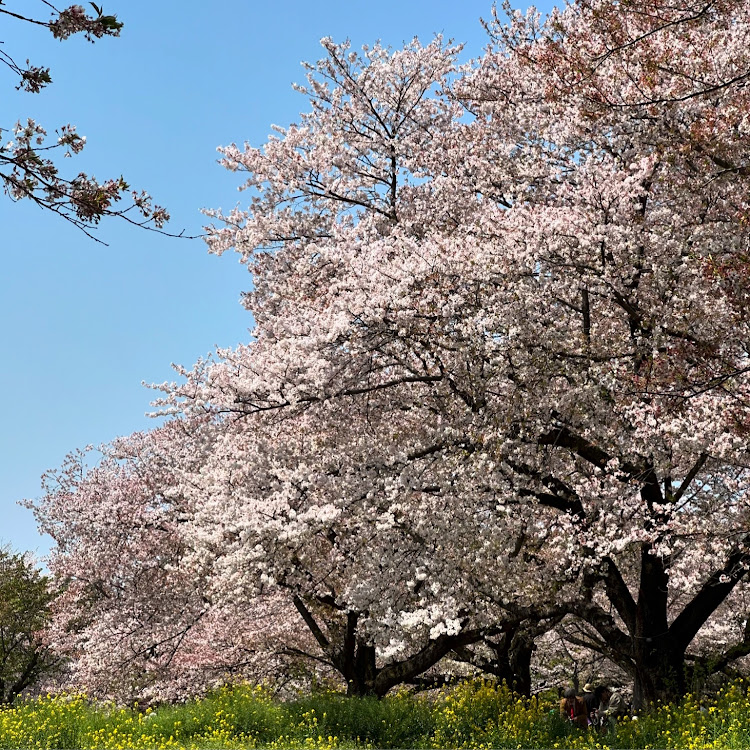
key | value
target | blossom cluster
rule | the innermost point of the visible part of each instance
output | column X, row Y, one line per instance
column 75, row 20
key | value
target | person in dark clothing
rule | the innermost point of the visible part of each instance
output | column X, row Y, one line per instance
column 591, row 700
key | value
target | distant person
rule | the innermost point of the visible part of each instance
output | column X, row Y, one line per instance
column 591, row 700
column 574, row 709
column 611, row 708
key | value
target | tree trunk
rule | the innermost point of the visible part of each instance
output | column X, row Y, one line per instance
column 521, row 649
column 361, row 681
column 649, row 650
column 511, row 658
column 659, row 662
column 659, row 674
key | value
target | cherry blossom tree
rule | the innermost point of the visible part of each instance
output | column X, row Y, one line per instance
column 499, row 373
column 27, row 166
column 631, row 356
column 363, row 147
column 354, row 540
column 555, row 287
column 134, row 620
column 183, row 569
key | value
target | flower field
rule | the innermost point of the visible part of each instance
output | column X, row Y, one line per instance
column 474, row 715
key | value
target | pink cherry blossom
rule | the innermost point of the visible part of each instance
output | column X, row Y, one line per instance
column 498, row 382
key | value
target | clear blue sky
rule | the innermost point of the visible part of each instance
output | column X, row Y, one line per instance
column 82, row 324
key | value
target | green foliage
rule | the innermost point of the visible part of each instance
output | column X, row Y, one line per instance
column 399, row 720
column 471, row 715
column 25, row 596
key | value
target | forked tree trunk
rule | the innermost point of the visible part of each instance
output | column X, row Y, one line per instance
column 649, row 647
column 511, row 657
column 652, row 649
column 355, row 658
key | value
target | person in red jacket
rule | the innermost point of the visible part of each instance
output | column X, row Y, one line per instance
column 573, row 708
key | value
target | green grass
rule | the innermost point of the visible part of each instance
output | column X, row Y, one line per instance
column 472, row 715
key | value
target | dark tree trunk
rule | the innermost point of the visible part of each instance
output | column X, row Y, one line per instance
column 653, row 651
column 521, row 650
column 361, row 681
column 658, row 661
column 511, row 658
column 650, row 648
column 659, row 675
column 355, row 659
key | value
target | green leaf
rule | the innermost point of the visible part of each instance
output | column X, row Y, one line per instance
column 110, row 22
